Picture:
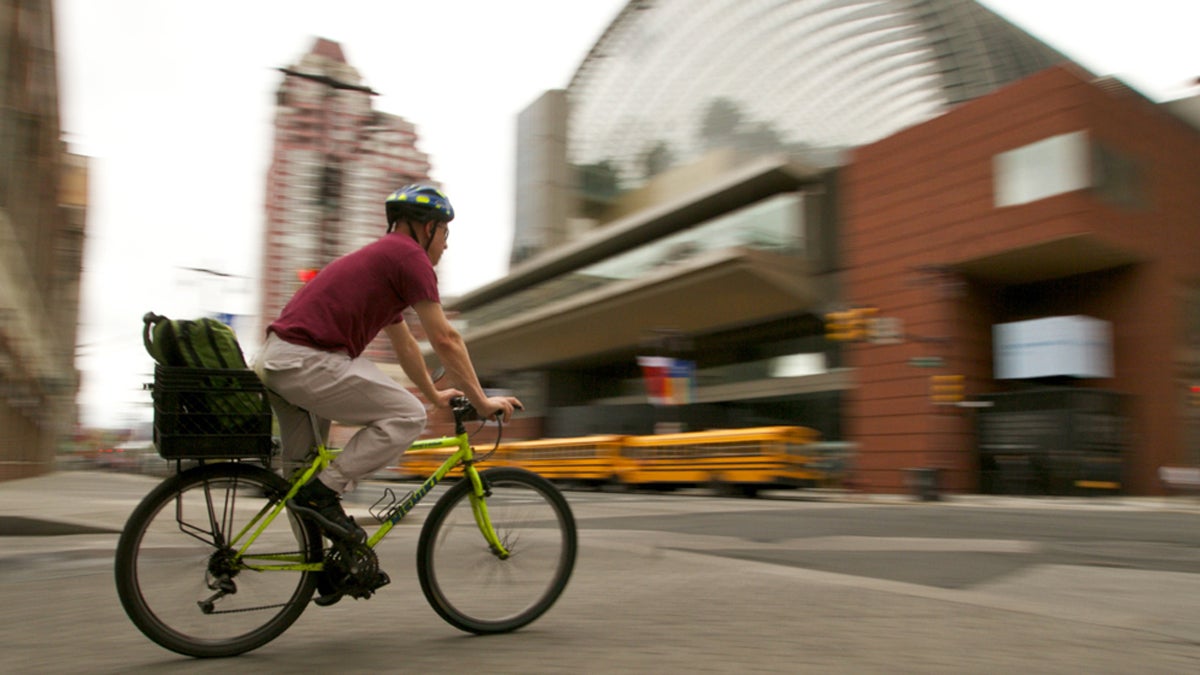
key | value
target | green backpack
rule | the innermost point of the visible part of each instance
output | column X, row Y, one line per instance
column 202, row 343
column 203, row 400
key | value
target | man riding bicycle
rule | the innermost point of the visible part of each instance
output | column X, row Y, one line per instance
column 312, row 358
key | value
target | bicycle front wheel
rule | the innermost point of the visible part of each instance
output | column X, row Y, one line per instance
column 467, row 583
column 186, row 576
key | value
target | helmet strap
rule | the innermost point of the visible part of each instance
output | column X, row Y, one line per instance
column 413, row 233
column 432, row 235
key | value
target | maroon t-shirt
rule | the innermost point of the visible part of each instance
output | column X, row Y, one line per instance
column 346, row 305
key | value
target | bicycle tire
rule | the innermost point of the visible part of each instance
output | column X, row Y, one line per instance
column 473, row 589
column 172, row 553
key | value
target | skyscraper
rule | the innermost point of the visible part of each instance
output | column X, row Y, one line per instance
column 334, row 162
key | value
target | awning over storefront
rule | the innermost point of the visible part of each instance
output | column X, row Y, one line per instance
column 719, row 290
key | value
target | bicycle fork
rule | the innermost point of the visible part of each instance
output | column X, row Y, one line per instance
column 480, row 491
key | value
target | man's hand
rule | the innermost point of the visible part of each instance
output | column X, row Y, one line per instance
column 444, row 396
column 500, row 405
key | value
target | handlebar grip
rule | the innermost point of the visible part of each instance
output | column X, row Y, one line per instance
column 500, row 413
column 463, row 408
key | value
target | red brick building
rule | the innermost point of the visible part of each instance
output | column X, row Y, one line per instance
column 1058, row 195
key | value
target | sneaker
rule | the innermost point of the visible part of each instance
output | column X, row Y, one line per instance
column 317, row 501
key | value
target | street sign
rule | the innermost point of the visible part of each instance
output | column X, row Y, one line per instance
column 926, row 362
column 885, row 330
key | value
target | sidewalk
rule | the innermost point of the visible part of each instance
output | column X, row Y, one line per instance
column 95, row 499
column 63, row 509
column 1189, row 503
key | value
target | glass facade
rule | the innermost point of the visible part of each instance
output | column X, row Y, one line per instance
column 774, row 224
column 671, row 80
column 770, row 225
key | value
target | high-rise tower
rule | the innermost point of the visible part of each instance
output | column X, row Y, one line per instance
column 335, row 160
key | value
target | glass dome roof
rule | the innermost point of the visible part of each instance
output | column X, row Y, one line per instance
column 670, row 80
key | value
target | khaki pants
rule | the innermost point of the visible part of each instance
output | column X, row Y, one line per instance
column 338, row 388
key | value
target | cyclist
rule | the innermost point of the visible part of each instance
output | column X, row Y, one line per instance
column 312, row 358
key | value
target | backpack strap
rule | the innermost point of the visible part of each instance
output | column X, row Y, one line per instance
column 158, row 335
column 222, row 342
column 218, row 351
column 187, row 345
column 149, row 319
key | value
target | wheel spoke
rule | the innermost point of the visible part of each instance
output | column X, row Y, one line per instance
column 473, row 587
column 184, row 586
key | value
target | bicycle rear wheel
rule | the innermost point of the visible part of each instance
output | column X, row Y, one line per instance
column 181, row 579
column 471, row 587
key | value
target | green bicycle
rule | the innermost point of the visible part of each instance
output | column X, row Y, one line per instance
column 211, row 563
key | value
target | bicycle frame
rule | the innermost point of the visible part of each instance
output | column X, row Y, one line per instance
column 464, row 454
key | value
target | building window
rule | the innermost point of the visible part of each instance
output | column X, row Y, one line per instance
column 773, row 224
column 1049, row 167
column 1117, row 178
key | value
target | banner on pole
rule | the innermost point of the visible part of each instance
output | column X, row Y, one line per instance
column 668, row 381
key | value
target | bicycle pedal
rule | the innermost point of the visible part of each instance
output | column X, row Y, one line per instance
column 381, row 580
column 327, row 600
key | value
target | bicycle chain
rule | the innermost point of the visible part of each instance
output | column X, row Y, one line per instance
column 246, row 609
column 260, row 607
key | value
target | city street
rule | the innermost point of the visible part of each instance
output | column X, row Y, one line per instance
column 685, row 582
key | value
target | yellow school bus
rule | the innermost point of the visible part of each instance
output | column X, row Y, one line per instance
column 417, row 465
column 740, row 460
column 587, row 460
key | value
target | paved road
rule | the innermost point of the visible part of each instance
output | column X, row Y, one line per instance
column 681, row 583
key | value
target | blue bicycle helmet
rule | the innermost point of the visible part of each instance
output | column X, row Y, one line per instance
column 419, row 203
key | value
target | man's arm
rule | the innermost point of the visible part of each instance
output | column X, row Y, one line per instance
column 448, row 344
column 408, row 353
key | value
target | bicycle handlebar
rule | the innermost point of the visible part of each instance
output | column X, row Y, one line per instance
column 462, row 409
column 465, row 412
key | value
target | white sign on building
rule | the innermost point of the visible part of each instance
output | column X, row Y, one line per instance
column 1075, row 346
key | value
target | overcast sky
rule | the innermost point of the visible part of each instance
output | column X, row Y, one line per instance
column 173, row 101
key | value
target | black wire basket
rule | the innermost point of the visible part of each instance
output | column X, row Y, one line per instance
column 202, row 413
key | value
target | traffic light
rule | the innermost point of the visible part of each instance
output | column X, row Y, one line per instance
column 850, row 325
column 839, row 326
column 1194, row 395
column 306, row 275
column 946, row 389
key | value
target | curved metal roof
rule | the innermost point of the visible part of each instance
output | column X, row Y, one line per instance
column 670, row 79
